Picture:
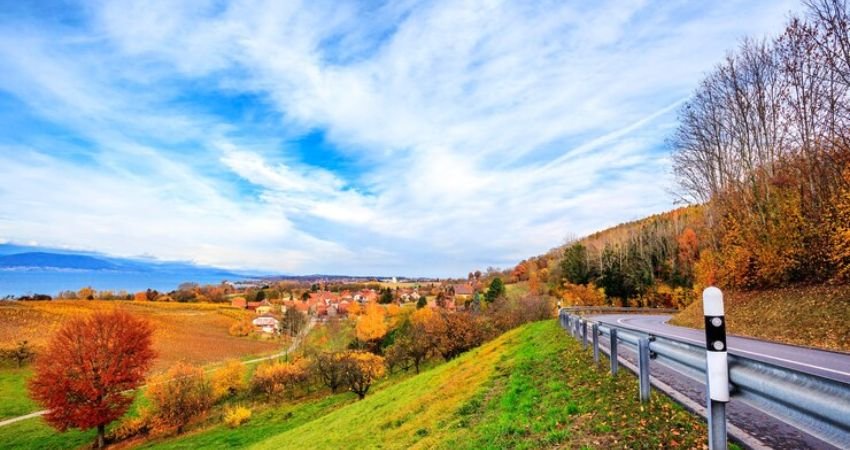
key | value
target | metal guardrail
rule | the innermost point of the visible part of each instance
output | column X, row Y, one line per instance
column 618, row 309
column 814, row 404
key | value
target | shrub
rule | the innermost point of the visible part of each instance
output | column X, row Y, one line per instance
column 132, row 427
column 234, row 417
column 277, row 377
column 228, row 380
column 180, row 395
column 241, row 328
column 21, row 354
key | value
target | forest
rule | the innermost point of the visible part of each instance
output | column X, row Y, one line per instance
column 761, row 154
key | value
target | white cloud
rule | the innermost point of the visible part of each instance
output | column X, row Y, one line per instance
column 482, row 132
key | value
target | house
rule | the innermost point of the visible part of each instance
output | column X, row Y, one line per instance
column 239, row 302
column 266, row 323
column 463, row 290
column 342, row 307
column 264, row 307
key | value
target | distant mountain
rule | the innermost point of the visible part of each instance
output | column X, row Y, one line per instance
column 29, row 269
column 44, row 260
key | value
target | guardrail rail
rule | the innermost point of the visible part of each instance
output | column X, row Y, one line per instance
column 814, row 404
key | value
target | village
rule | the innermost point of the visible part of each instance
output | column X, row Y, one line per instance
column 325, row 304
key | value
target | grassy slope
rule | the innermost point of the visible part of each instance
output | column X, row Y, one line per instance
column 530, row 388
column 819, row 315
column 13, row 401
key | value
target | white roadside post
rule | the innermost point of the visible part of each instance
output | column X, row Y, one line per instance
column 717, row 367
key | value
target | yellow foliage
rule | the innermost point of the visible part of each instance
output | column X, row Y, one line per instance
column 277, row 377
column 241, row 328
column 228, row 380
column 393, row 310
column 581, row 295
column 371, row 325
column 354, row 309
column 234, row 417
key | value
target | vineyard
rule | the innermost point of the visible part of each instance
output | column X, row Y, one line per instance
column 191, row 332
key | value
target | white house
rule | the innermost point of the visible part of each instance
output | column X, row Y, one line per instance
column 266, row 323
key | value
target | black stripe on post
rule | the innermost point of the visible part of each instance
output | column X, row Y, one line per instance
column 715, row 333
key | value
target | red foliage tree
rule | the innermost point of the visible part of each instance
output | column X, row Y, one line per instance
column 87, row 374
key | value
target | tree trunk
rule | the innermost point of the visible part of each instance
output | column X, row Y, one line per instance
column 101, row 436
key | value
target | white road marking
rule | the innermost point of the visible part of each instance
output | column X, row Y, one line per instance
column 739, row 350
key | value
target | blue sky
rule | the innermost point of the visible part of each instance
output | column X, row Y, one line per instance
column 411, row 138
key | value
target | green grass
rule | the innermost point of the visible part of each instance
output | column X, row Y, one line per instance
column 530, row 388
column 36, row 434
column 261, row 425
column 14, row 401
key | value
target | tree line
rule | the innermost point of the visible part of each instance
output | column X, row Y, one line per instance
column 763, row 144
column 762, row 151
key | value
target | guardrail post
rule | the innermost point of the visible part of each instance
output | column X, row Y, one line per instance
column 595, row 333
column 612, row 346
column 643, row 368
column 583, row 334
column 717, row 366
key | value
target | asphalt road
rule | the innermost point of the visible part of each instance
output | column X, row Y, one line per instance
column 826, row 364
column 760, row 429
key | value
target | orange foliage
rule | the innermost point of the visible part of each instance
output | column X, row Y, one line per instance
column 201, row 329
column 179, row 395
column 278, row 377
column 361, row 369
column 371, row 326
column 583, row 295
column 92, row 364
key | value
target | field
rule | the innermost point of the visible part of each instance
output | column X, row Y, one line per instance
column 814, row 316
column 530, row 388
column 193, row 332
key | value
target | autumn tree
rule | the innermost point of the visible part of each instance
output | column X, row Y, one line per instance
column 180, row 394
column 354, row 309
column 371, row 326
column 86, row 293
column 361, row 369
column 328, row 367
column 460, row 333
column 95, row 364
column 412, row 344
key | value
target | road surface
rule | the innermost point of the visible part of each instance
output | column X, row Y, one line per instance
column 756, row 428
column 823, row 363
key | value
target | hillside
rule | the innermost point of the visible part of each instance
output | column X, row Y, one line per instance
column 530, row 388
column 814, row 316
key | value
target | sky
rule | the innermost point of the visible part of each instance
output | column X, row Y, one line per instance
column 365, row 138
